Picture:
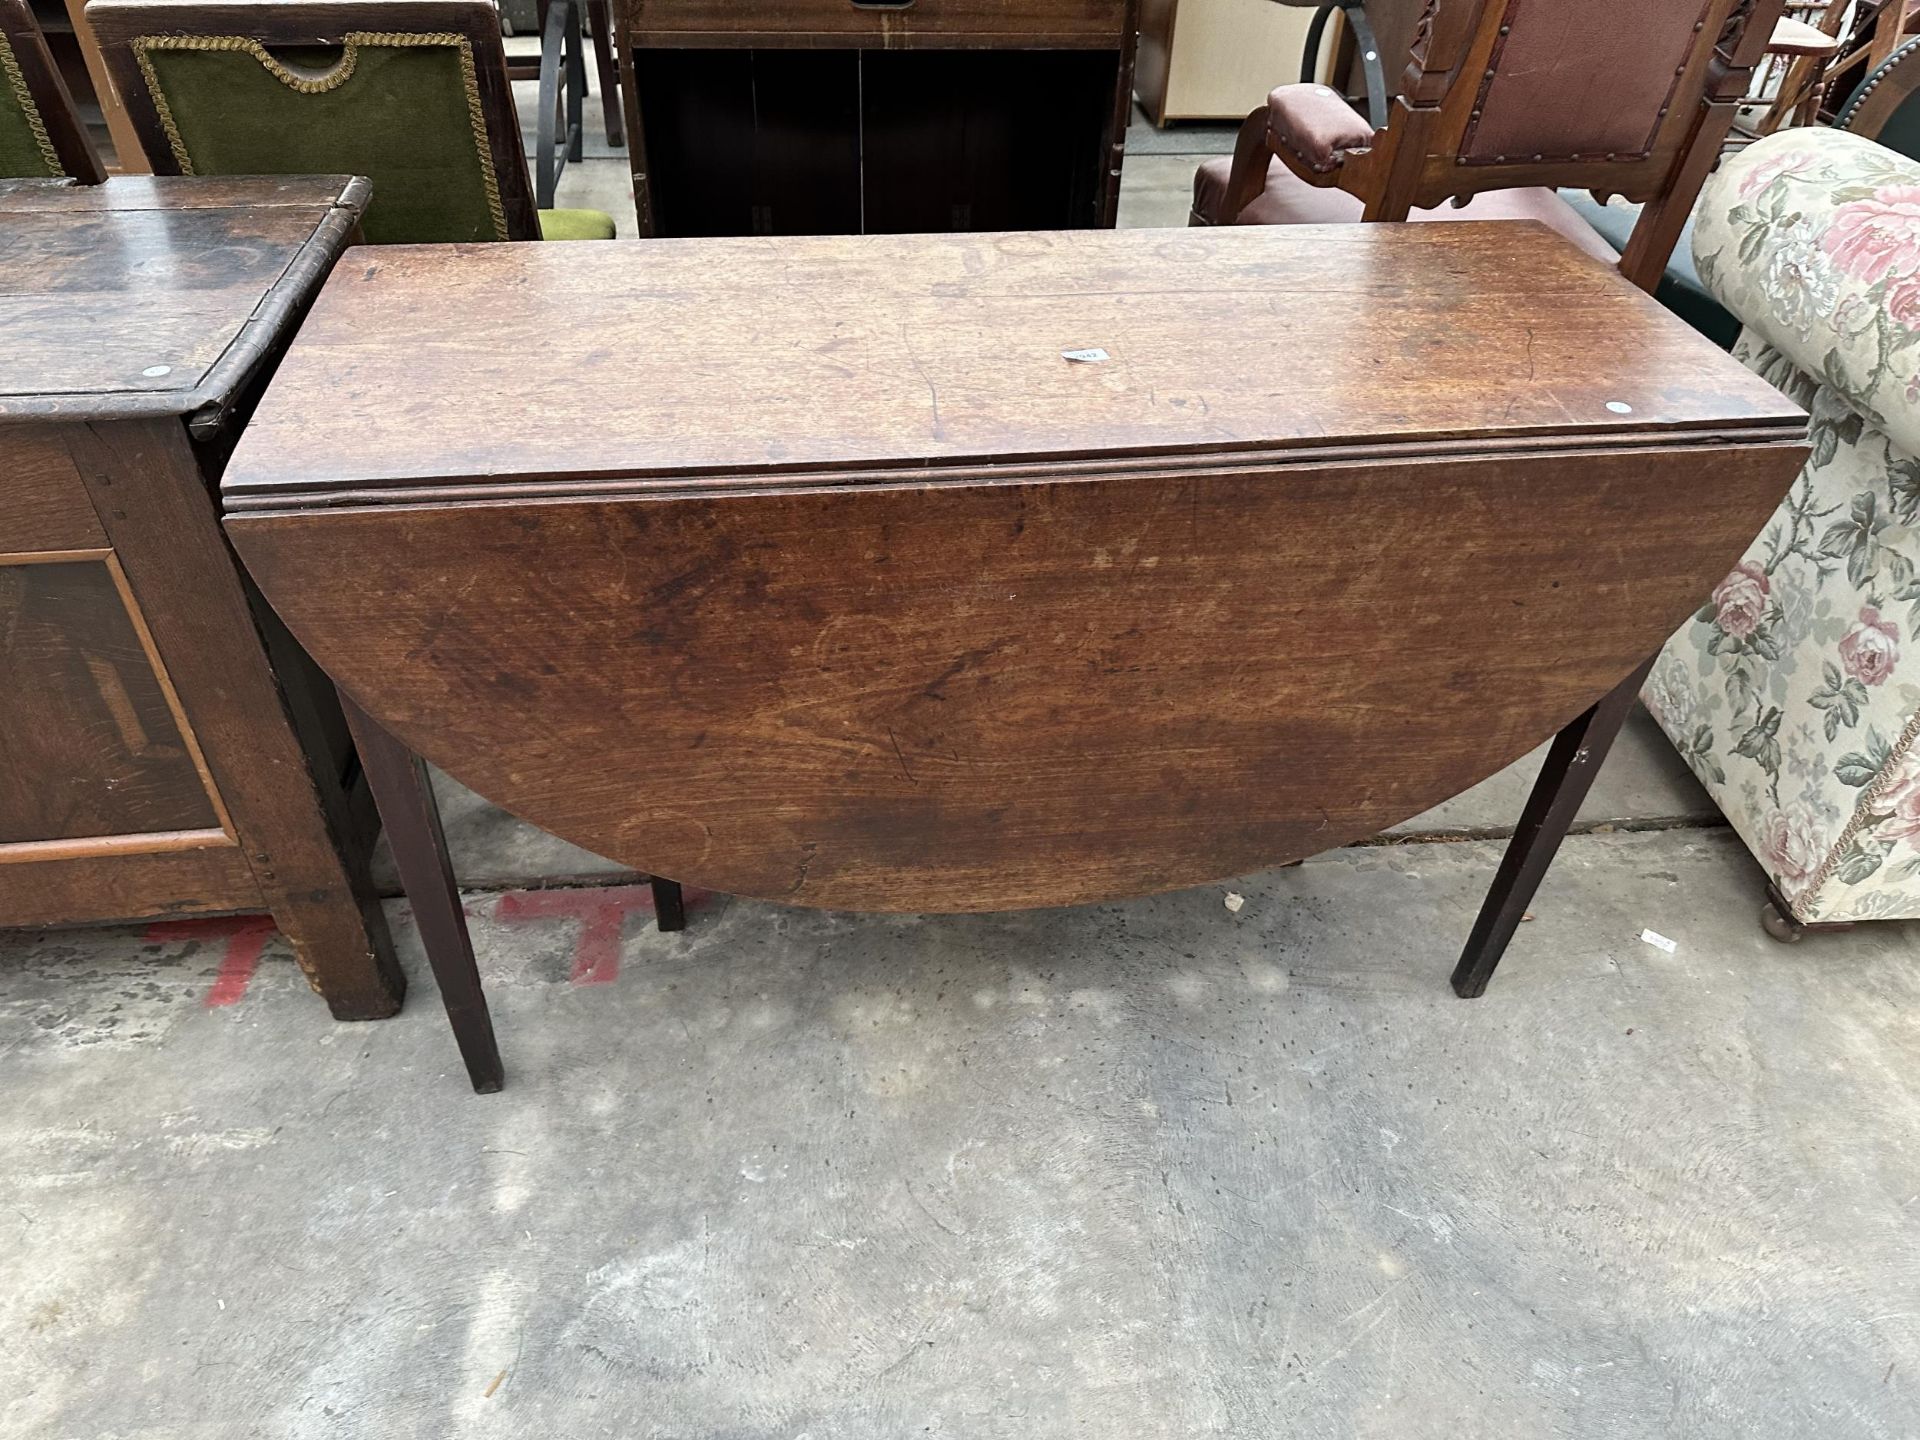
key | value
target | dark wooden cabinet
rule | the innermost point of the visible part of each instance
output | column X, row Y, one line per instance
column 829, row 117
column 165, row 749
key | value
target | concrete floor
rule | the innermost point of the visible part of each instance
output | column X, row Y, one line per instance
column 1141, row 1170
column 1157, row 1169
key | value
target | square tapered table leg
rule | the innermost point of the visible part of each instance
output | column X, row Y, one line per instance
column 1577, row 754
column 411, row 817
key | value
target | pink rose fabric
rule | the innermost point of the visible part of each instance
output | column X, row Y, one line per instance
column 1767, row 171
column 1792, row 843
column 1869, row 650
column 1741, row 599
column 1900, row 801
column 1878, row 238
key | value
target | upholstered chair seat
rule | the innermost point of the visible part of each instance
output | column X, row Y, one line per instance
column 576, row 225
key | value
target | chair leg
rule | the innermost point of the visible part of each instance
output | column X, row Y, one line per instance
column 547, row 160
column 604, row 59
column 669, row 905
column 1577, row 754
column 411, row 817
column 576, row 83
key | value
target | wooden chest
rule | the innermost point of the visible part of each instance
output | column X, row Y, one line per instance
column 163, row 749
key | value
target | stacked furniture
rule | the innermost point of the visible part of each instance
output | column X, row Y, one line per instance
column 560, row 71
column 1876, row 29
column 1794, row 694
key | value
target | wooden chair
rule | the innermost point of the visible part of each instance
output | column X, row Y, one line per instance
column 41, row 137
column 1802, row 53
column 1496, row 99
column 412, row 94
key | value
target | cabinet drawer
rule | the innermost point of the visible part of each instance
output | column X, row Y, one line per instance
column 932, row 24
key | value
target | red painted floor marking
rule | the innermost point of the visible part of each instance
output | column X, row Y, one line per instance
column 601, row 913
column 246, row 937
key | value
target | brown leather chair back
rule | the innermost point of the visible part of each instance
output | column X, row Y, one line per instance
column 1575, row 93
column 1570, row 78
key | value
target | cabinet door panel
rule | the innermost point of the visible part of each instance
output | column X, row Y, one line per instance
column 90, row 742
column 752, row 142
column 983, row 139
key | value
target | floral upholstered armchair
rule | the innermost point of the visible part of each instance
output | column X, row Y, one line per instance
column 1794, row 693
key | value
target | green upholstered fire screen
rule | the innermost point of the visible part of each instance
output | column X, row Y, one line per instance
column 25, row 150
column 403, row 110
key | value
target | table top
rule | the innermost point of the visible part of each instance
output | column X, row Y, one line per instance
column 440, row 372
column 155, row 295
column 813, row 570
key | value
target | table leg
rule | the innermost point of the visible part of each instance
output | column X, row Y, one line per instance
column 1577, row 754
column 398, row 779
column 669, row 905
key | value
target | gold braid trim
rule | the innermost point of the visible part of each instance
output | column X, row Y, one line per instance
column 1863, row 815
column 321, row 84
column 17, row 83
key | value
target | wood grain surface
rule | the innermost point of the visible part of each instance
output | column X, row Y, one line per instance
column 987, row 696
column 46, row 504
column 165, row 281
column 89, row 742
column 61, row 888
column 739, row 359
column 812, row 571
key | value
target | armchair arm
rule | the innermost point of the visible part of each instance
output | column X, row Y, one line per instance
column 1812, row 238
column 1313, row 130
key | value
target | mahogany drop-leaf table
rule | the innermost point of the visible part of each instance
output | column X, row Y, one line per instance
column 975, row 572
